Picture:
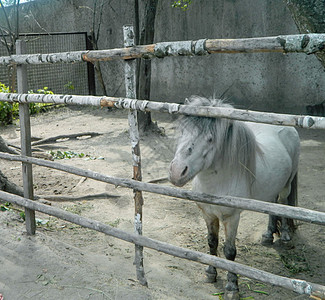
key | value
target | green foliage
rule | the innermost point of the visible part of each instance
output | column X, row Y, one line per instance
column 182, row 4
column 295, row 262
column 22, row 215
column 6, row 108
column 66, row 154
column 10, row 111
column 4, row 88
column 5, row 206
column 45, row 90
column 71, row 154
column 69, row 86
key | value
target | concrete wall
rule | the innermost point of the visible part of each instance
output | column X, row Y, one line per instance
column 268, row 81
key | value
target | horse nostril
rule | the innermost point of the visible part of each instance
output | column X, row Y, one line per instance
column 184, row 171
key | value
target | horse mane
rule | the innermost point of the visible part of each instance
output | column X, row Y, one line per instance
column 237, row 146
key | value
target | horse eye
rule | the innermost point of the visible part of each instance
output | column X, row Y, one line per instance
column 210, row 140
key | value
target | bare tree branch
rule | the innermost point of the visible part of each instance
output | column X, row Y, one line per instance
column 94, row 40
column 100, row 20
column 4, row 40
column 30, row 14
column 17, row 18
column 9, row 27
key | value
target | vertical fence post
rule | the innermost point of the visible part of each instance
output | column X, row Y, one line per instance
column 25, row 136
column 130, row 86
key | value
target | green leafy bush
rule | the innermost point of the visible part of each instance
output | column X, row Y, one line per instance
column 10, row 111
column 66, row 154
column 183, row 4
column 6, row 108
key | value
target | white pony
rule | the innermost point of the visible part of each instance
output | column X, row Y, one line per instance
column 236, row 158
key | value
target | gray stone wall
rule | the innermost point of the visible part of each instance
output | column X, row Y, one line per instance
column 265, row 81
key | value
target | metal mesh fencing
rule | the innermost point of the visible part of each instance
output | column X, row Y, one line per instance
column 59, row 78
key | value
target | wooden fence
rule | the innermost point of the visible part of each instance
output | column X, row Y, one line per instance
column 309, row 43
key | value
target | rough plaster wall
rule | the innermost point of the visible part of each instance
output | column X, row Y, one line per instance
column 272, row 82
column 268, row 81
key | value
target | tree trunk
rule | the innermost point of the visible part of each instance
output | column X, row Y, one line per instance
column 10, row 187
column 5, row 184
column 5, row 148
column 145, row 36
column 309, row 16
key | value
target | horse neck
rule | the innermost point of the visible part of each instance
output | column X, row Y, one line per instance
column 222, row 182
column 237, row 152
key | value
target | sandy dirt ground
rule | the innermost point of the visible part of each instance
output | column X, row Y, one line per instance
column 65, row 261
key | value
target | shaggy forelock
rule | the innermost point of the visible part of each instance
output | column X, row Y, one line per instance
column 204, row 125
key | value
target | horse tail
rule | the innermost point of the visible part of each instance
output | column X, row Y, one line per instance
column 293, row 200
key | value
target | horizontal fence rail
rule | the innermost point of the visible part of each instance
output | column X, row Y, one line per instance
column 309, row 122
column 296, row 285
column 304, row 43
column 280, row 210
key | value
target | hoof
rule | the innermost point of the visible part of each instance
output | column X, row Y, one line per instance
column 287, row 245
column 267, row 239
column 231, row 295
column 211, row 274
column 285, row 236
column 211, row 278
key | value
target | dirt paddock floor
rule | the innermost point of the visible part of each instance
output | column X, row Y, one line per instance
column 65, row 261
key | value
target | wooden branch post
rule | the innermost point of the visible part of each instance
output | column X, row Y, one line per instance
column 25, row 136
column 300, row 121
column 130, row 87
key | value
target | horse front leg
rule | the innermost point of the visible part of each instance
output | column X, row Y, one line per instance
column 231, row 226
column 213, row 241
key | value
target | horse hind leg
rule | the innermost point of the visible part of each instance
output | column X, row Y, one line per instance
column 267, row 237
column 213, row 240
column 284, row 226
column 289, row 197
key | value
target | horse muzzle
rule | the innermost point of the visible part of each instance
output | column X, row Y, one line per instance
column 178, row 174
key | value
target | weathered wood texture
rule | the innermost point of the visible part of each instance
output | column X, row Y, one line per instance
column 25, row 137
column 305, row 43
column 130, row 87
column 297, row 213
column 309, row 122
column 309, row 17
column 49, row 98
column 296, row 285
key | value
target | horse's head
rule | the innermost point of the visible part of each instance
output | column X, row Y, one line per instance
column 197, row 144
column 195, row 151
column 211, row 142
